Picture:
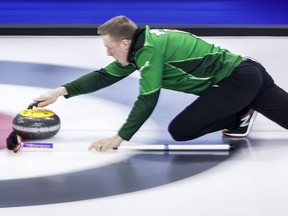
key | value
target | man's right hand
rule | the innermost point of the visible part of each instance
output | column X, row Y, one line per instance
column 50, row 96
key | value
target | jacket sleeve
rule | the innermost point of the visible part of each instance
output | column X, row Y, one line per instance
column 98, row 79
column 90, row 82
column 150, row 64
column 142, row 109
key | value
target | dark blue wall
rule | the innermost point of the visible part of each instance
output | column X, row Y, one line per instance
column 203, row 12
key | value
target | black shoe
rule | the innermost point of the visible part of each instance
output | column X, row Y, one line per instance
column 244, row 127
column 13, row 142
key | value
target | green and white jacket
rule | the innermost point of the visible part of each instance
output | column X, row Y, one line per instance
column 168, row 59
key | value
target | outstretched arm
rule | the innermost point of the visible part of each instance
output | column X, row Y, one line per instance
column 86, row 84
column 140, row 112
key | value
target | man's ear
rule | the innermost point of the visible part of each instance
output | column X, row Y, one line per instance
column 125, row 43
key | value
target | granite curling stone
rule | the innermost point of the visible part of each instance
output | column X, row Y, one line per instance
column 36, row 123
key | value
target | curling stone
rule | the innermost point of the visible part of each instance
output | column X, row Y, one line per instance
column 36, row 123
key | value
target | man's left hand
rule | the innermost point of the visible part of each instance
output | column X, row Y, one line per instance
column 107, row 143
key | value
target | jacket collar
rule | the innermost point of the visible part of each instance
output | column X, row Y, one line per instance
column 136, row 43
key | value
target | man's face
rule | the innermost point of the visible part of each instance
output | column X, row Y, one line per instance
column 118, row 50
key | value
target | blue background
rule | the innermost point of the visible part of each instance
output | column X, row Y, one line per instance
column 184, row 12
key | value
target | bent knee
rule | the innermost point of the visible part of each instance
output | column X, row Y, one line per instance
column 176, row 134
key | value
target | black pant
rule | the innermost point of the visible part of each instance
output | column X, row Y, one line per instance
column 217, row 107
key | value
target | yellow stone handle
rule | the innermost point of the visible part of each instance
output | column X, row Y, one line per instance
column 37, row 113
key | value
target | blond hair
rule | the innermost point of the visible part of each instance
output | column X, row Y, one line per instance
column 118, row 28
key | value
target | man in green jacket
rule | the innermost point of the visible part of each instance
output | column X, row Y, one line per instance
column 231, row 88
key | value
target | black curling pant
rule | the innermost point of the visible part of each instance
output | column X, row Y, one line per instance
column 217, row 107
